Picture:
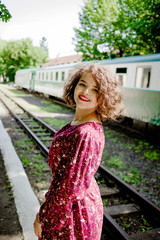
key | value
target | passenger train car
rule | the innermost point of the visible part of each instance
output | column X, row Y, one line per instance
column 139, row 77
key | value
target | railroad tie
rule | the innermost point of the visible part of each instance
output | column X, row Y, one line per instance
column 105, row 191
column 121, row 209
column 148, row 235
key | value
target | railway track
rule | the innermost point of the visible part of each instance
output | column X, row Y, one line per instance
column 126, row 201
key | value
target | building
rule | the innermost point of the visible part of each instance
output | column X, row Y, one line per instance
column 63, row 60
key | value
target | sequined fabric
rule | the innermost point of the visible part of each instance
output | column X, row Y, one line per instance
column 73, row 208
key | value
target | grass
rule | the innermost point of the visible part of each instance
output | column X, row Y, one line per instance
column 26, row 162
column 24, row 145
column 117, row 166
column 57, row 123
column 142, row 224
column 17, row 91
column 130, row 176
column 113, row 135
column 53, row 107
column 101, row 182
column 33, row 163
column 105, row 201
column 147, row 150
column 145, row 226
column 116, row 161
column 152, row 155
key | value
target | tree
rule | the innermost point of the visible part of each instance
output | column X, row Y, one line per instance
column 118, row 27
column 4, row 13
column 44, row 44
column 2, row 63
column 19, row 54
column 144, row 20
column 94, row 16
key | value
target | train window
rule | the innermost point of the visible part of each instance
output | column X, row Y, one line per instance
column 51, row 75
column 121, row 75
column 121, row 70
column 122, row 79
column 63, row 76
column 56, row 76
column 143, row 77
column 46, row 75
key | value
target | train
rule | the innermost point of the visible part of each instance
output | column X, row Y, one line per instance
column 139, row 78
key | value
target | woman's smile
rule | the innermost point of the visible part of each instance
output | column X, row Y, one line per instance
column 83, row 98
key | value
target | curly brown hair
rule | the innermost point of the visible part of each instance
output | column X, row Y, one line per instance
column 109, row 94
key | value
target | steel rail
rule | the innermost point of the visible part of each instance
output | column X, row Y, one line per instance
column 40, row 144
column 142, row 201
column 112, row 227
column 44, row 124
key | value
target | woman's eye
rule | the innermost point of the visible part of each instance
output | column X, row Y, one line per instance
column 96, row 90
column 82, row 84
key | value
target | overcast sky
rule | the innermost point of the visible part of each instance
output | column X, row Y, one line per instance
column 53, row 19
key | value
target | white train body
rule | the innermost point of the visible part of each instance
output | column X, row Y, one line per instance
column 139, row 77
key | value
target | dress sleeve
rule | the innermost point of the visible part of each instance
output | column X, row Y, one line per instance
column 75, row 181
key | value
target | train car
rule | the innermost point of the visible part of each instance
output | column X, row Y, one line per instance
column 25, row 77
column 139, row 77
column 49, row 80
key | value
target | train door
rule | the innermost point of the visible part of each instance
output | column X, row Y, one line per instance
column 32, row 80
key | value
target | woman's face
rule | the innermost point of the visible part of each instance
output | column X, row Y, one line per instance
column 86, row 93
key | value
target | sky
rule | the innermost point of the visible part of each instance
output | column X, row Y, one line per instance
column 53, row 19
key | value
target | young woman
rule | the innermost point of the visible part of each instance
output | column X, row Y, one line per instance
column 73, row 208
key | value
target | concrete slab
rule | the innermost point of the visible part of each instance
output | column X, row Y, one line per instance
column 25, row 200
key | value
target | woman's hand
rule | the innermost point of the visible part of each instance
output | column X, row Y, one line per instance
column 37, row 228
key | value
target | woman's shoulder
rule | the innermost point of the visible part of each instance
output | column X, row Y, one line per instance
column 87, row 130
column 90, row 129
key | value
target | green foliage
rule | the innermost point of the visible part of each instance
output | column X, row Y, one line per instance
column 145, row 226
column 118, row 28
column 50, row 106
column 18, row 92
column 105, row 201
column 4, row 13
column 93, row 17
column 152, row 155
column 18, row 55
column 56, row 123
column 144, row 20
column 149, row 152
column 116, row 161
column 26, row 162
column 101, row 181
column 132, row 176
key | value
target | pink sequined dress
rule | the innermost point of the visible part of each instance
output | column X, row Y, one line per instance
column 73, row 208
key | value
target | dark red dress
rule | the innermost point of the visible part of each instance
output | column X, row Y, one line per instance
column 73, row 208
